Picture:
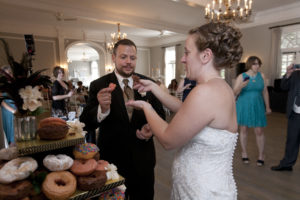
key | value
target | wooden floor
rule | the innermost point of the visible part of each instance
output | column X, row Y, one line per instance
column 253, row 183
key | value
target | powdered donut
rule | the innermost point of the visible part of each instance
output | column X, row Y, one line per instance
column 8, row 153
column 17, row 169
column 85, row 151
column 58, row 162
column 15, row 190
column 59, row 185
column 95, row 180
column 102, row 165
column 84, row 167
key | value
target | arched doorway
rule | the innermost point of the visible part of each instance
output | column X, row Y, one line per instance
column 83, row 63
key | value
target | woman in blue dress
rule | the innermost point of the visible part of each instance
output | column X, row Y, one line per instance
column 8, row 109
column 252, row 106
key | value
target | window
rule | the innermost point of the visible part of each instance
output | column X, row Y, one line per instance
column 286, row 60
column 170, row 63
column 290, row 47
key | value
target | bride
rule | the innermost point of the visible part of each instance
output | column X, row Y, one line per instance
column 205, row 124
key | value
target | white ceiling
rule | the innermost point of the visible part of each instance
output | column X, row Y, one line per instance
column 142, row 20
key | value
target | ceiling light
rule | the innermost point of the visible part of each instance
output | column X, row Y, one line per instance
column 228, row 10
column 115, row 37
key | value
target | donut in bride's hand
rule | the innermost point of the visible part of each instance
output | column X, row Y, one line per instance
column 17, row 169
column 58, row 162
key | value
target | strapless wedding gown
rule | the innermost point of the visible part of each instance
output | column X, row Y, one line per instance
column 202, row 169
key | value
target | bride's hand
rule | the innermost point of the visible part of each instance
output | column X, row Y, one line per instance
column 139, row 105
column 144, row 85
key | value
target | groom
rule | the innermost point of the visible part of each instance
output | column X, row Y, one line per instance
column 291, row 82
column 125, row 138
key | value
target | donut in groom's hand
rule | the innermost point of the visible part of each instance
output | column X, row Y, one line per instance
column 112, row 86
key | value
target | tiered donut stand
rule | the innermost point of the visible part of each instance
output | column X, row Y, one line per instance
column 38, row 146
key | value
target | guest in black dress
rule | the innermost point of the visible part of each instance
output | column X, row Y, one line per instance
column 60, row 94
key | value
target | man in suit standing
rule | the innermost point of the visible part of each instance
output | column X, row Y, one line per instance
column 291, row 82
column 125, row 138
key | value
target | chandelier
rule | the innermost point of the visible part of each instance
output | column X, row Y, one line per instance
column 115, row 37
column 228, row 10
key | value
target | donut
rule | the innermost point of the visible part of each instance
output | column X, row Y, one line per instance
column 8, row 153
column 17, row 169
column 93, row 181
column 59, row 185
column 51, row 121
column 85, row 151
column 58, row 162
column 84, row 167
column 114, row 193
column 15, row 190
column 97, row 156
column 53, row 131
column 102, row 165
column 112, row 86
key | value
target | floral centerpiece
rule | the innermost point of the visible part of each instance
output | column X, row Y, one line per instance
column 22, row 86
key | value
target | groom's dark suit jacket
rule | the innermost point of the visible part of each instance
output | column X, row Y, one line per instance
column 291, row 84
column 117, row 140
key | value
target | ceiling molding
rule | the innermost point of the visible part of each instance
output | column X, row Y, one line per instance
column 288, row 12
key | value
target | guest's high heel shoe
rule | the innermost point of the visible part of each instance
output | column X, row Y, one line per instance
column 260, row 163
column 245, row 160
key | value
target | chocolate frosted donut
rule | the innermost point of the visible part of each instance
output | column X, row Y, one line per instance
column 15, row 190
column 53, row 132
column 94, row 181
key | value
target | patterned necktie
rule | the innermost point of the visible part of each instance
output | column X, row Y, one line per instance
column 128, row 95
column 297, row 102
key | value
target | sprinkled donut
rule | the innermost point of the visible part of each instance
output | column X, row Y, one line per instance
column 58, row 162
column 59, row 185
column 17, row 169
column 84, row 167
column 85, row 151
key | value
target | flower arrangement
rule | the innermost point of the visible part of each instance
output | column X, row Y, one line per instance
column 22, row 86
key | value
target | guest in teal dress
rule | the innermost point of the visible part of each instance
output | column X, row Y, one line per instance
column 252, row 105
column 8, row 109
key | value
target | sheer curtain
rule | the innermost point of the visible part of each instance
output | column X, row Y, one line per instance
column 275, row 54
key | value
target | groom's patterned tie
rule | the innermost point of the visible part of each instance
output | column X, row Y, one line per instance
column 297, row 102
column 128, row 95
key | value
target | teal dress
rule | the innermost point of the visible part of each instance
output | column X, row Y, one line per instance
column 8, row 121
column 250, row 105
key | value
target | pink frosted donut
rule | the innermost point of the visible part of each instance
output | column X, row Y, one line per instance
column 58, row 162
column 102, row 165
column 17, row 169
column 85, row 151
column 84, row 167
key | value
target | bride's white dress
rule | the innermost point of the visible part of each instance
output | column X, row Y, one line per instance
column 202, row 169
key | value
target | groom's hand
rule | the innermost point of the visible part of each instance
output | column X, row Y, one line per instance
column 145, row 133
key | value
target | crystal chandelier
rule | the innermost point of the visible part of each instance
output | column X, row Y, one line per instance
column 228, row 10
column 115, row 37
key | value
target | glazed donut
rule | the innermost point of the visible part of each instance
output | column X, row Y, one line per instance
column 84, row 167
column 17, row 169
column 85, row 151
column 59, row 162
column 95, row 180
column 15, row 190
column 102, row 165
column 59, row 185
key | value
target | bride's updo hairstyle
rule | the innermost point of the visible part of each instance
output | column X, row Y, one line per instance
column 223, row 40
